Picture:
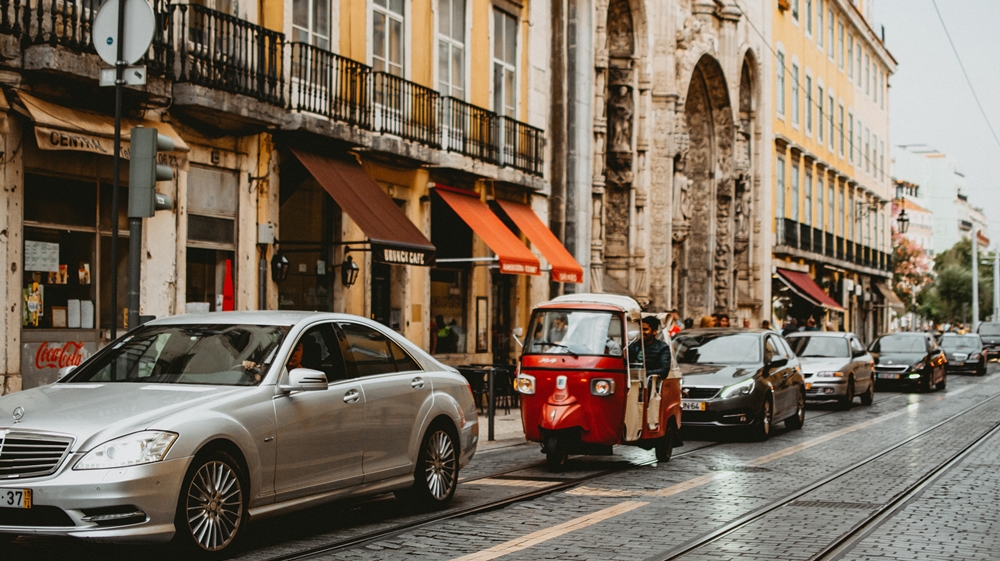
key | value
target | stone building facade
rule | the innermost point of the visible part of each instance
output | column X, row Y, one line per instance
column 672, row 208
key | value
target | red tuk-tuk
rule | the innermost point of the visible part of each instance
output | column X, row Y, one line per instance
column 583, row 384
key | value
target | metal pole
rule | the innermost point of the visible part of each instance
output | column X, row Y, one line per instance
column 975, row 279
column 996, row 284
column 262, row 279
column 116, row 168
column 491, row 406
column 134, row 270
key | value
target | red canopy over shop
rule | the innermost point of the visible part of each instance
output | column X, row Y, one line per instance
column 803, row 285
column 564, row 266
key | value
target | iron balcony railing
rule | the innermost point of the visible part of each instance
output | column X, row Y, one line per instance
column 805, row 237
column 522, row 146
column 224, row 52
column 828, row 247
column 405, row 109
column 330, row 85
column 849, row 257
column 469, row 130
column 840, row 249
column 817, row 237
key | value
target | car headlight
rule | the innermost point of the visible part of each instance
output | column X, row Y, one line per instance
column 917, row 366
column 134, row 449
column 975, row 356
column 526, row 384
column 602, row 386
column 743, row 388
column 831, row 374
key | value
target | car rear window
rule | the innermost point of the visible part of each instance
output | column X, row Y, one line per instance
column 820, row 346
column 989, row 329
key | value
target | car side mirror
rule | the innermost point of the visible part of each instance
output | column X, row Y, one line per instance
column 778, row 362
column 858, row 352
column 305, row 380
column 518, row 333
column 65, row 371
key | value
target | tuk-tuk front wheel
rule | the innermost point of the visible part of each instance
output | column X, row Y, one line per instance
column 556, row 454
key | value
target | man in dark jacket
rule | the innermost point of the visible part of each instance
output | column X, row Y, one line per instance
column 653, row 352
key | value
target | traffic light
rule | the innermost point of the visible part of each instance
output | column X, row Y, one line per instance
column 144, row 172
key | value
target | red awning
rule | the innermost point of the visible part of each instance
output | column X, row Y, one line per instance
column 514, row 256
column 564, row 266
column 393, row 237
column 803, row 285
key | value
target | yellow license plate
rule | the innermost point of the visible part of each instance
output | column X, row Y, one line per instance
column 692, row 405
column 15, row 498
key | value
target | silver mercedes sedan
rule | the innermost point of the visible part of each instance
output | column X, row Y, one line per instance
column 191, row 427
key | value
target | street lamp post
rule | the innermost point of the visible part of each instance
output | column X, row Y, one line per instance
column 975, row 278
column 996, row 284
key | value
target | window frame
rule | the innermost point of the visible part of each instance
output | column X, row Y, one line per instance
column 780, row 84
column 446, row 40
column 309, row 30
column 511, row 67
column 389, row 15
column 795, row 94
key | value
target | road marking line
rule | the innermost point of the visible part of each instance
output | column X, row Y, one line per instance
column 514, row 482
column 541, row 536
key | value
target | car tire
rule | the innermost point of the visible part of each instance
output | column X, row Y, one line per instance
column 981, row 370
column 556, row 455
column 212, row 507
column 796, row 421
column 943, row 383
column 760, row 430
column 868, row 397
column 665, row 445
column 436, row 473
column 847, row 401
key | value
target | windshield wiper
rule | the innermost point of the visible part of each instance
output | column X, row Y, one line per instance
column 568, row 350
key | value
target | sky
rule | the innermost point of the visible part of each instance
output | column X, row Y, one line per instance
column 930, row 100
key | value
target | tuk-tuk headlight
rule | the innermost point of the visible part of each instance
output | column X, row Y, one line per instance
column 743, row 388
column 602, row 386
column 526, row 384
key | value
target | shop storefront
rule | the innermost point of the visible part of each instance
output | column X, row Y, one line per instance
column 796, row 295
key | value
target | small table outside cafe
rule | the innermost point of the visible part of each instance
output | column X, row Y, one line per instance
column 491, row 381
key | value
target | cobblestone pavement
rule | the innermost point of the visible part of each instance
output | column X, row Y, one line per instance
column 643, row 510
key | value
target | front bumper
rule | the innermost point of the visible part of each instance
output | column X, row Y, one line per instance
column 67, row 497
column 904, row 381
column 468, row 441
column 733, row 412
column 963, row 366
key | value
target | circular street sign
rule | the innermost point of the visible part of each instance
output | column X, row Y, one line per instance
column 139, row 26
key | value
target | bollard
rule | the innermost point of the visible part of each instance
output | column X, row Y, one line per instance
column 491, row 406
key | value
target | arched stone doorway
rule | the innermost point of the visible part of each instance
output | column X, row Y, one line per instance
column 705, row 181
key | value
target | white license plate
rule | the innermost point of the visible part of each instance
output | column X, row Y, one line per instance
column 888, row 376
column 958, row 363
column 15, row 498
column 691, row 405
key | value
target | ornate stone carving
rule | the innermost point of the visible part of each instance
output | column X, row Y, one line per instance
column 620, row 110
column 620, row 39
column 742, row 214
column 682, row 193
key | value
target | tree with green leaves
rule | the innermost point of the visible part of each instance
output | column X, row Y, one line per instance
column 949, row 297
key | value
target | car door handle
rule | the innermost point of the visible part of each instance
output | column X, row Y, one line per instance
column 352, row 396
column 417, row 383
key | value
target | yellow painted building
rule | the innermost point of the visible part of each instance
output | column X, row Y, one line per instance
column 831, row 183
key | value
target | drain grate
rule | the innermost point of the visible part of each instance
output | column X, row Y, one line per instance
column 740, row 469
column 836, row 504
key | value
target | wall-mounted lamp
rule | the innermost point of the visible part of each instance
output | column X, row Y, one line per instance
column 279, row 267
column 863, row 209
column 349, row 272
column 904, row 221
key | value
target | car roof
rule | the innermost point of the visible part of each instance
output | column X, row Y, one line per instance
column 959, row 335
column 729, row 330
column 836, row 334
column 624, row 303
column 252, row 317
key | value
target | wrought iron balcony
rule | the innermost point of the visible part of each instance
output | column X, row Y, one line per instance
column 470, row 130
column 829, row 248
column 405, row 109
column 805, row 237
column 330, row 85
column 522, row 146
column 840, row 249
column 220, row 51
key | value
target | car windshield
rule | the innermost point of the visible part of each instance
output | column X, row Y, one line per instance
column 717, row 348
column 820, row 346
column 900, row 344
column 960, row 343
column 575, row 332
column 989, row 329
column 226, row 355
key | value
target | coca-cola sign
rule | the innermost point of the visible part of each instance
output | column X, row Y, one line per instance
column 59, row 355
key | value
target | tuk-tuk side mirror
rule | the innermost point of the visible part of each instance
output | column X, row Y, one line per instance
column 633, row 336
column 518, row 333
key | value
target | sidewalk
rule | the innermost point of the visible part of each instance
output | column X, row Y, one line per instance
column 507, row 430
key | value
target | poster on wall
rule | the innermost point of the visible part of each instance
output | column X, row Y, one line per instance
column 41, row 256
column 41, row 361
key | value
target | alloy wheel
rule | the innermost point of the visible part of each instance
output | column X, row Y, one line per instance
column 440, row 465
column 214, row 505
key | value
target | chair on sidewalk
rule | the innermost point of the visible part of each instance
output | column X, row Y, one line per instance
column 477, row 380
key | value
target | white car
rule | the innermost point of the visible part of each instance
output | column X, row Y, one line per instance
column 835, row 365
column 196, row 425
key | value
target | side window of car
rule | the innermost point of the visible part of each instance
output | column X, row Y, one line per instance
column 404, row 362
column 321, row 351
column 366, row 351
column 785, row 348
column 770, row 350
column 856, row 346
column 931, row 344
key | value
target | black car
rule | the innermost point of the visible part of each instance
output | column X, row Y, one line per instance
column 910, row 361
column 739, row 379
column 990, row 333
column 965, row 353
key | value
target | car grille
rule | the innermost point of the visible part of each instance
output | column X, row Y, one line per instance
column 699, row 393
column 893, row 369
column 31, row 454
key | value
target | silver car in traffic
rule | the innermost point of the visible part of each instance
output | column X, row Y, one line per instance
column 835, row 365
column 193, row 426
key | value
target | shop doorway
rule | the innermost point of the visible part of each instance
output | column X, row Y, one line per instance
column 502, row 316
column 382, row 293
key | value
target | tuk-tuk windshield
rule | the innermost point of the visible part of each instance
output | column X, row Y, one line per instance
column 575, row 332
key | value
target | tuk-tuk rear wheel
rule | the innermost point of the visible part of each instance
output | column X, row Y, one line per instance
column 665, row 446
column 556, row 455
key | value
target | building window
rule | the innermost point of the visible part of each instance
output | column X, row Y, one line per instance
column 867, row 150
column 850, row 137
column 808, row 208
column 881, row 87
column 881, row 161
column 833, row 145
column 840, row 45
column 212, row 197
column 504, row 63
column 795, row 191
column 858, row 54
column 830, row 204
column 875, row 74
column 781, row 83
column 850, row 56
column 809, row 109
column 795, row 10
column 387, row 36
column 780, row 173
column 311, row 23
column 820, row 208
column 795, row 94
column 868, row 90
column 809, row 15
column 820, row 118
column 858, row 144
column 819, row 24
column 451, row 48
column 875, row 165
column 841, row 212
column 841, row 121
